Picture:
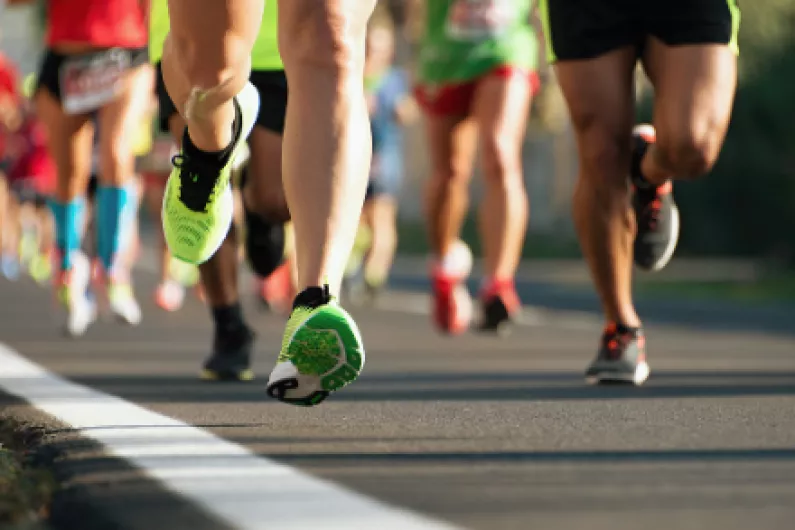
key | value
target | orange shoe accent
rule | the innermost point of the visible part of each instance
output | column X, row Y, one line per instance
column 452, row 306
column 505, row 289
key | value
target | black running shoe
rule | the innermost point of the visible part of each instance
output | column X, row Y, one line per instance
column 621, row 358
column 500, row 307
column 231, row 358
column 656, row 213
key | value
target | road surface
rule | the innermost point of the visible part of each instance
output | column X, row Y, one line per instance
column 474, row 431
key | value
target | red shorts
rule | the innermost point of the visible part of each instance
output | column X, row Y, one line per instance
column 456, row 99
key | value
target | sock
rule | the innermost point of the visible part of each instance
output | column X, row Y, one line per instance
column 216, row 158
column 112, row 220
column 228, row 319
column 68, row 224
column 312, row 297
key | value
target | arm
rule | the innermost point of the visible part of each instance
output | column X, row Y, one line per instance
column 405, row 108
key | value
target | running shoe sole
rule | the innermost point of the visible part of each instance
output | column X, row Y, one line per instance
column 325, row 352
column 615, row 376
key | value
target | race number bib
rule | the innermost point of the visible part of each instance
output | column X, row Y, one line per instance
column 474, row 20
column 89, row 82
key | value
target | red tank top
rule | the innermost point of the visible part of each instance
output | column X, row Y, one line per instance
column 99, row 23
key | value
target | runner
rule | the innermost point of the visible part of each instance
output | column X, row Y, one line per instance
column 95, row 62
column 264, row 206
column 476, row 74
column 9, row 122
column 391, row 108
column 31, row 178
column 326, row 158
column 689, row 50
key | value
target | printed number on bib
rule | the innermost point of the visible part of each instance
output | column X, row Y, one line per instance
column 90, row 82
column 475, row 20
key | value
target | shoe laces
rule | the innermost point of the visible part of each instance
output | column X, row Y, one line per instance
column 196, row 183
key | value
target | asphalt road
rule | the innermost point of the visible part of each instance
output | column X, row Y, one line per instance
column 481, row 432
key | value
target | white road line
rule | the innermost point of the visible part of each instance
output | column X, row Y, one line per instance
column 223, row 478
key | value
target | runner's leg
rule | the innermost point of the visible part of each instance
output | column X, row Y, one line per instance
column 206, row 65
column 599, row 93
column 70, row 143
column 694, row 91
column 322, row 44
column 452, row 140
column 206, row 62
column 501, row 106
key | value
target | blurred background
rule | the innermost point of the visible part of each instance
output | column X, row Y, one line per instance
column 743, row 213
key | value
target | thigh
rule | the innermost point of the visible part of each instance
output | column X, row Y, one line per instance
column 70, row 142
column 501, row 106
column 120, row 123
column 324, row 30
column 452, row 141
column 694, row 88
column 206, row 30
column 600, row 97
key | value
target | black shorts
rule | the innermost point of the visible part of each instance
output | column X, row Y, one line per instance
column 50, row 70
column 272, row 88
column 585, row 29
column 26, row 193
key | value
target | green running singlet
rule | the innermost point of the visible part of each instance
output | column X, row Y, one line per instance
column 465, row 39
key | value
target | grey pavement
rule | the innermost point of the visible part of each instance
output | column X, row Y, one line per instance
column 483, row 432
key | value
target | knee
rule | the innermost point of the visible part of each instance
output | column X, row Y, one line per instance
column 688, row 153
column 450, row 177
column 117, row 162
column 327, row 36
column 208, row 68
column 502, row 163
column 604, row 159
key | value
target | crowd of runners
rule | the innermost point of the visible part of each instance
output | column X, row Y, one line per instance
column 187, row 111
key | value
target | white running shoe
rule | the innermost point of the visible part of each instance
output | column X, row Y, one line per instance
column 123, row 303
column 72, row 291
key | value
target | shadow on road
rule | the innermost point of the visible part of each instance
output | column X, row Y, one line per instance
column 536, row 386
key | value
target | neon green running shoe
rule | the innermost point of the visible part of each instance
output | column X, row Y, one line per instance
column 198, row 206
column 322, row 351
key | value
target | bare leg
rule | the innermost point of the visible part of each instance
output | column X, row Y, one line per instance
column 322, row 45
column 206, row 62
column 501, row 107
column 600, row 99
column 694, row 92
column 453, row 146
